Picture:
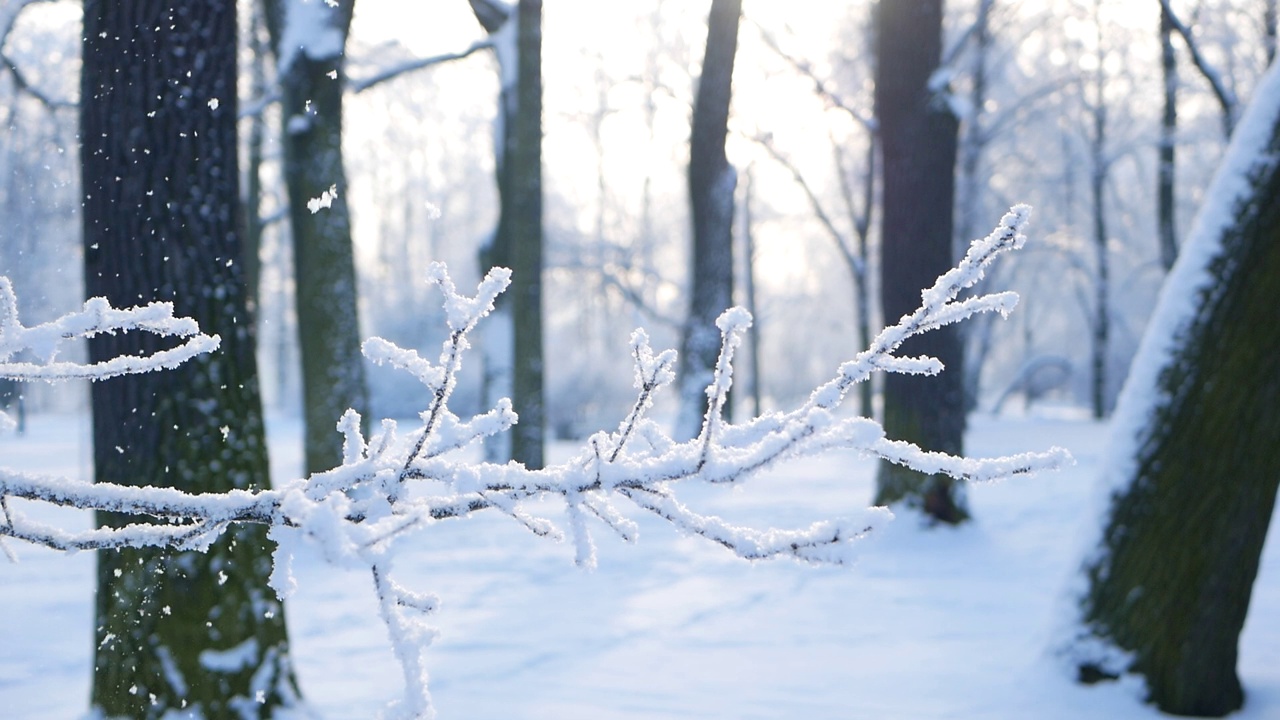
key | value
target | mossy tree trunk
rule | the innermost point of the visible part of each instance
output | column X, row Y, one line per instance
column 175, row 631
column 918, row 137
column 1172, row 579
column 711, row 192
column 310, row 71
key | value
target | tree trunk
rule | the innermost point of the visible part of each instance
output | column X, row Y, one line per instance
column 976, row 333
column 175, row 631
column 749, row 289
column 513, row 336
column 1100, row 167
column 711, row 189
column 918, row 141
column 1165, row 208
column 858, row 257
column 522, row 222
column 1101, row 331
column 1199, row 419
column 311, row 84
column 254, row 226
column 1269, row 29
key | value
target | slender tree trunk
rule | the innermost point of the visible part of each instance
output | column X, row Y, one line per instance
column 974, row 136
column 859, row 260
column 311, row 83
column 1171, row 582
column 522, row 209
column 975, row 334
column 1165, row 208
column 513, row 336
column 175, row 632
column 497, row 333
column 749, row 283
column 254, row 227
column 711, row 189
column 918, row 141
column 1269, row 29
column 1101, row 333
column 1099, row 169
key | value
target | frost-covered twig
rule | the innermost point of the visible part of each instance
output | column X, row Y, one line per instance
column 389, row 485
column 44, row 341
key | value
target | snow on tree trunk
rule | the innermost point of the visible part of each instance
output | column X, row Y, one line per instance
column 1195, row 465
column 309, row 39
column 711, row 189
column 918, row 137
column 188, row 631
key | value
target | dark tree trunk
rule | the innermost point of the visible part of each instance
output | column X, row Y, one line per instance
column 711, row 189
column 918, row 141
column 522, row 224
column 162, row 221
column 1165, row 208
column 1100, row 167
column 1184, row 535
column 1101, row 330
column 1269, row 29
column 514, row 357
column 311, row 85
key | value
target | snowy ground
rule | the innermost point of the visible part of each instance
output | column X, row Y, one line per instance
column 930, row 624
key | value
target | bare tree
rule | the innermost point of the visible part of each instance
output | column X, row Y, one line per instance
column 516, row 360
column 1166, row 211
column 1099, row 168
column 174, row 632
column 309, row 40
column 918, row 140
column 711, row 193
column 856, row 195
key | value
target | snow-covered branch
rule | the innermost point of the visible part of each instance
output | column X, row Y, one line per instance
column 408, row 66
column 390, row 482
column 44, row 341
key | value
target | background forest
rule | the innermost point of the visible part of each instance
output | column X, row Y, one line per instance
column 1057, row 96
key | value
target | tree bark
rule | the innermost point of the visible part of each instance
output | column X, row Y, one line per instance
column 254, row 226
column 162, row 221
column 918, row 141
column 711, row 191
column 1165, row 209
column 522, row 223
column 513, row 337
column 1172, row 579
column 1269, row 29
column 1100, row 168
column 311, row 85
column 975, row 334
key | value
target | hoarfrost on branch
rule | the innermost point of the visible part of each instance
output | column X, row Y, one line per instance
column 394, row 481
